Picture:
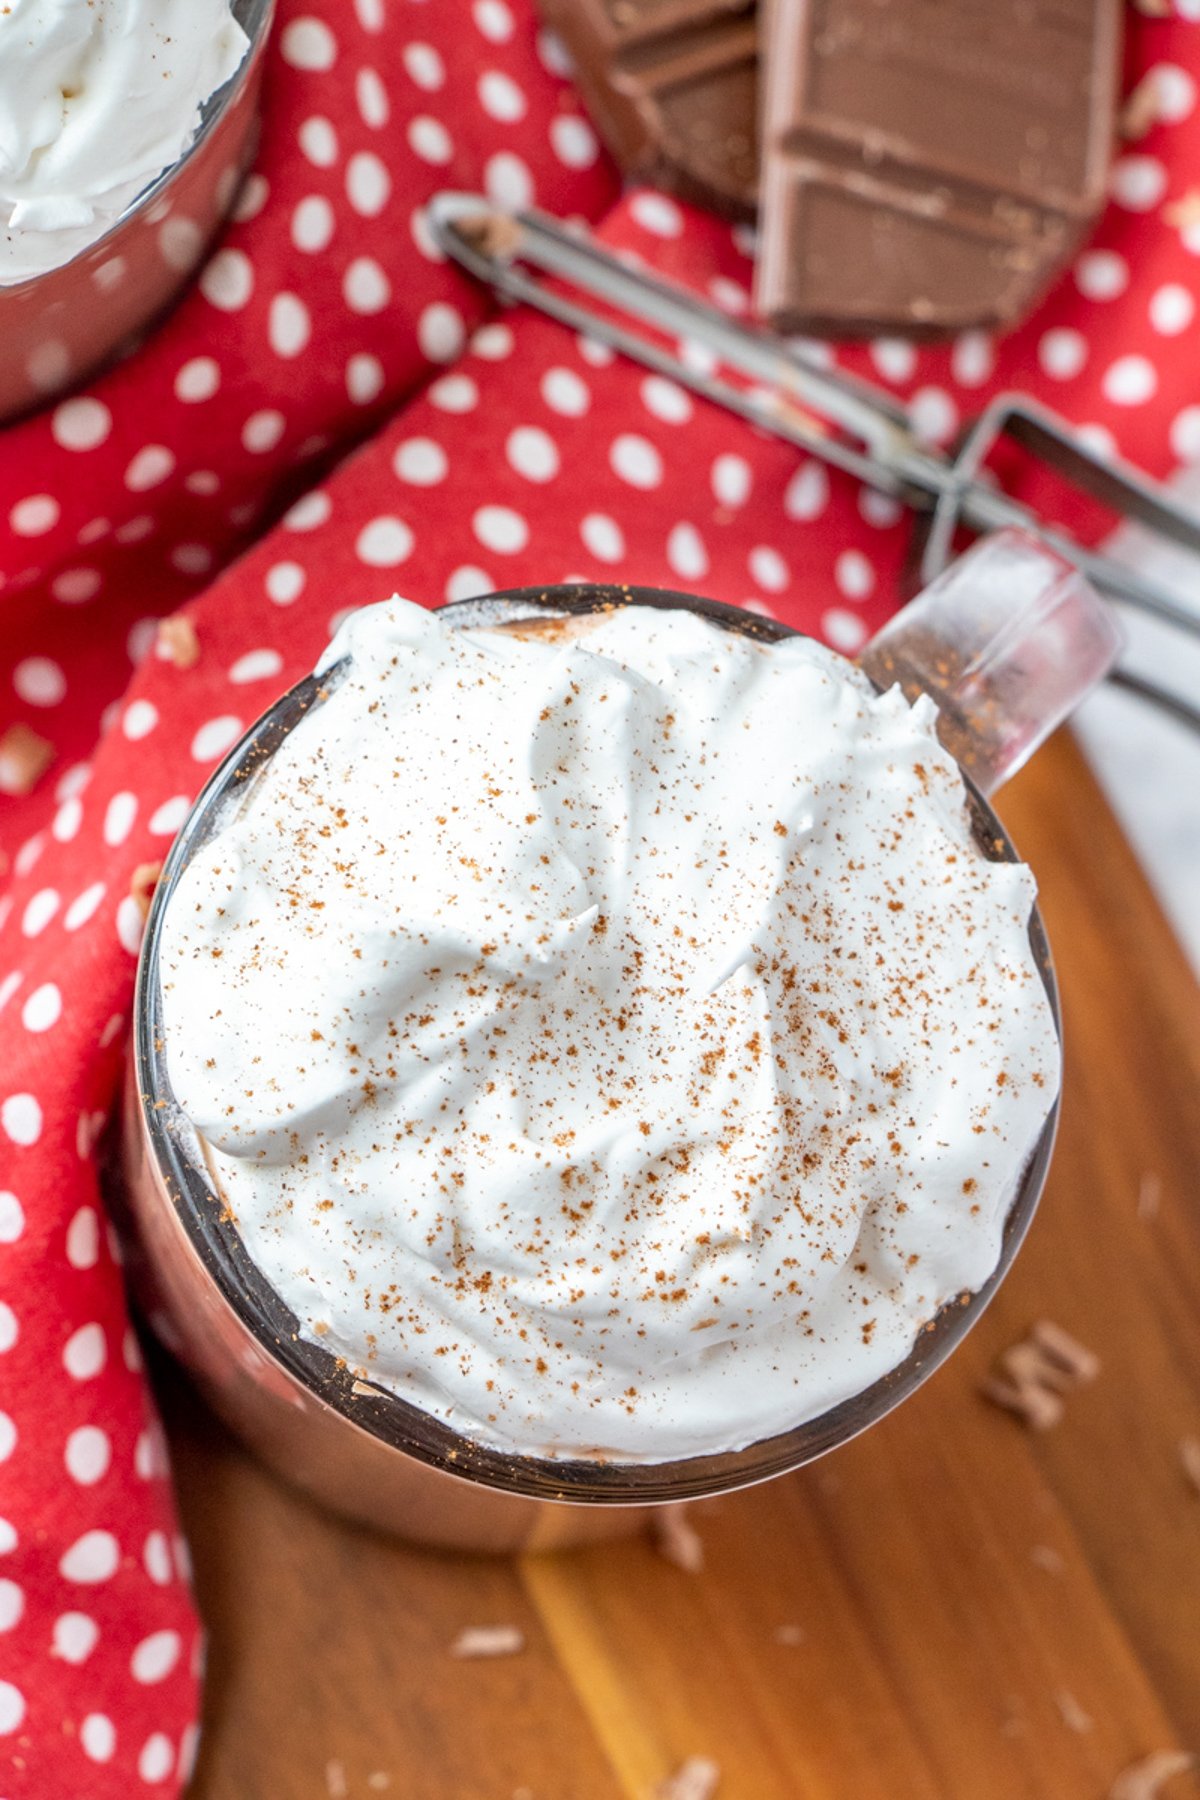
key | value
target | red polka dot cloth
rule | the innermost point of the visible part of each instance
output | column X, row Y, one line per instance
column 514, row 452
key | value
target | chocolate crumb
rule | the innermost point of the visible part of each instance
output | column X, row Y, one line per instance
column 677, row 1539
column 1031, row 1377
column 1142, row 1780
column 696, row 1779
column 478, row 1641
column 1142, row 109
column 24, row 759
column 177, row 641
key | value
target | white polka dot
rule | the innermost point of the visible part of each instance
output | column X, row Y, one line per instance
column 67, row 820
column 768, row 569
column 74, row 1637
column 139, row 719
column 35, row 516
column 501, row 529
column 594, row 352
column 12, row 1709
column 85, row 1352
column 8, row 1538
column 9, row 1333
column 83, row 1239
column 371, row 95
column 9, row 986
column 372, row 15
column 533, row 453
column 43, row 1009
column 732, row 479
column 309, row 513
column 666, row 400
column 21, row 1119
column 313, row 224
column 256, row 665
column 8, row 1437
column 507, row 180
column 424, row 67
column 468, row 582
column 1185, row 434
column 216, row 737
column 1138, row 183
column 167, row 819
column 553, row 55
column 1130, row 381
column 88, row 1455
column 155, row 1657
column 972, row 358
column 501, row 98
column 429, row 139
column 39, row 911
column 95, row 1556
column 12, row 1605
column 181, row 241
column 807, row 493
column 227, row 282
column 150, row 1454
column 573, row 141
column 118, row 818
column 74, row 587
column 603, row 537
column 494, row 20
column 420, row 461
column 1175, row 92
column 493, row 342
column 368, row 184
column 1172, row 309
column 854, row 575
column 454, row 394
column 657, row 215
column 156, row 1758
column 49, row 366
column 82, row 908
column 440, row 332
column 156, row 1558
column 39, row 682
column 365, row 287
column 686, row 553
column 384, row 543
column 934, row 414
column 27, row 856
column 565, row 392
column 308, row 44
column 284, row 582
column 1062, row 352
column 843, row 630
column 149, row 468
column 263, row 431
column 895, row 359
column 636, row 461
column 98, row 1736
column 1101, row 274
column 319, row 142
column 289, row 326
column 81, row 424
column 135, row 531
column 366, row 378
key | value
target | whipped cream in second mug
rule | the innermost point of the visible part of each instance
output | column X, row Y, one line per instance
column 615, row 1044
column 97, row 98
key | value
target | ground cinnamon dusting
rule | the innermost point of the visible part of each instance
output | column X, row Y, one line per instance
column 696, row 1779
column 478, row 1641
column 1143, row 1780
column 677, row 1539
column 177, row 641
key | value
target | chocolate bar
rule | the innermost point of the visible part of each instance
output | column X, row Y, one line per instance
column 929, row 165
column 673, row 87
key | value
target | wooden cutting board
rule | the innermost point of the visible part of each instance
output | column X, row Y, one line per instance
column 950, row 1608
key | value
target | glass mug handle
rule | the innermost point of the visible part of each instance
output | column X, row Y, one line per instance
column 1007, row 641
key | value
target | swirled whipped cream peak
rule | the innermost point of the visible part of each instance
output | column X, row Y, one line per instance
column 615, row 1043
column 97, row 98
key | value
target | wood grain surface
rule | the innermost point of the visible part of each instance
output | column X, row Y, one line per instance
column 950, row 1608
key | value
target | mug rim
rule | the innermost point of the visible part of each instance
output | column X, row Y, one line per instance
column 376, row 1409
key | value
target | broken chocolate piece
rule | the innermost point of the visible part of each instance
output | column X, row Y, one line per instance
column 929, row 165
column 672, row 86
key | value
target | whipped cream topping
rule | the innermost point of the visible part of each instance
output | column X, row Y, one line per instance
column 614, row 1045
column 97, row 98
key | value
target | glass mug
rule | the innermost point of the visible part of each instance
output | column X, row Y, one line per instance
column 1008, row 641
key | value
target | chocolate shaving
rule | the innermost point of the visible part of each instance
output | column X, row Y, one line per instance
column 1073, row 1715
column 1189, row 1460
column 677, row 1539
column 1142, row 1780
column 24, row 759
column 1153, row 9
column 1142, row 109
column 142, row 884
column 177, row 641
column 1031, row 1377
column 488, row 1640
column 696, row 1779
